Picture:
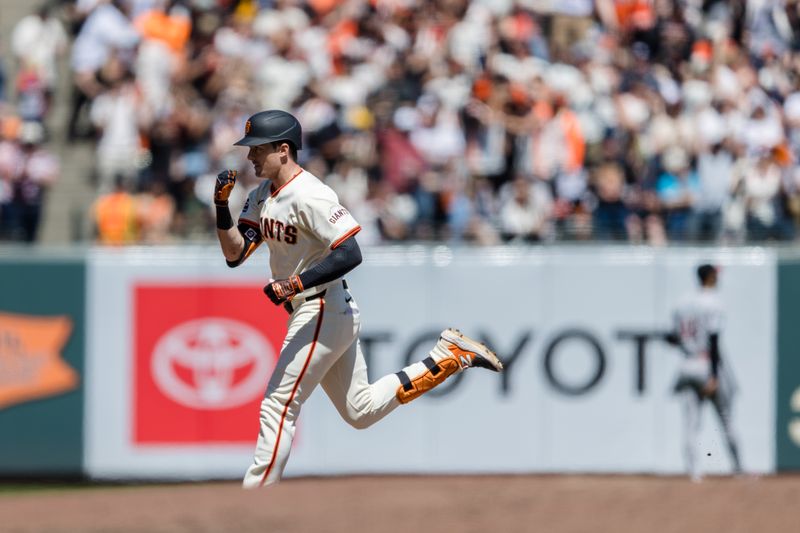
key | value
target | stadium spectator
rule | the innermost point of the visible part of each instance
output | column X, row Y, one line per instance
column 677, row 188
column 571, row 20
column 715, row 175
column 27, row 169
column 116, row 216
column 107, row 31
column 37, row 42
column 401, row 161
column 424, row 114
column 762, row 177
column 525, row 211
column 611, row 213
column 117, row 116
column 9, row 132
column 164, row 39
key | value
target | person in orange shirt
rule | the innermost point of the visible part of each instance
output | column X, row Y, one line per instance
column 624, row 16
column 116, row 216
column 173, row 27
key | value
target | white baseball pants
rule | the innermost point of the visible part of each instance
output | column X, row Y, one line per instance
column 321, row 346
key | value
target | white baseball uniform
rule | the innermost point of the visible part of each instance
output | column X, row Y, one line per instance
column 697, row 317
column 301, row 222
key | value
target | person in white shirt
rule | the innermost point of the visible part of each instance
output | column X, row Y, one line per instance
column 106, row 34
column 37, row 41
column 715, row 172
column 311, row 240
column 30, row 169
column 117, row 115
column 526, row 210
column 703, row 375
column 761, row 177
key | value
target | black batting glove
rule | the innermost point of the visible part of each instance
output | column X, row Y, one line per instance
column 284, row 289
column 222, row 189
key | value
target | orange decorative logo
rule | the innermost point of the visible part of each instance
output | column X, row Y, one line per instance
column 31, row 366
column 247, row 128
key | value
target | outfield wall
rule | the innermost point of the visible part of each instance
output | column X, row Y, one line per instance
column 42, row 354
column 577, row 395
column 168, row 394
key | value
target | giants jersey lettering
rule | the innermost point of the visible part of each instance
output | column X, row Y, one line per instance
column 696, row 319
column 276, row 230
column 301, row 222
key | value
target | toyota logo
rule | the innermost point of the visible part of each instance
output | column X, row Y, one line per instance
column 212, row 363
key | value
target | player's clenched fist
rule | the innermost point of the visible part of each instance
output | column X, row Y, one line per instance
column 281, row 290
column 222, row 190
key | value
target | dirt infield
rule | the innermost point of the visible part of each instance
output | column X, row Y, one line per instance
column 549, row 504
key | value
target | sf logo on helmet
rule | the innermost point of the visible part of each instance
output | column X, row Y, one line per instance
column 247, row 128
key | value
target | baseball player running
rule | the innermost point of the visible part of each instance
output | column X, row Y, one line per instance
column 312, row 245
column 702, row 375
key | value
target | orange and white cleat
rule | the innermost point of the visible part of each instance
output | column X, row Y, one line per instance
column 469, row 352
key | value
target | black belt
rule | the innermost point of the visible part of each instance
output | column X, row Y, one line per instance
column 290, row 309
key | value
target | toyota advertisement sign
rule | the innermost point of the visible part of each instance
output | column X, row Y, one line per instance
column 203, row 357
column 181, row 348
column 179, row 359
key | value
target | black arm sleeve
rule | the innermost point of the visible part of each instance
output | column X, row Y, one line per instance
column 713, row 351
column 341, row 260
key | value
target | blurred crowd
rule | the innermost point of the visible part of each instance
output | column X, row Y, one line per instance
column 481, row 121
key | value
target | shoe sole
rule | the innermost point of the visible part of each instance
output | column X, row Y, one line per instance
column 470, row 345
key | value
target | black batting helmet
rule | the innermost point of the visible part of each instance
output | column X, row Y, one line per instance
column 270, row 126
column 705, row 271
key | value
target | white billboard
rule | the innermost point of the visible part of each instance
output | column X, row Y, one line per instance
column 587, row 386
